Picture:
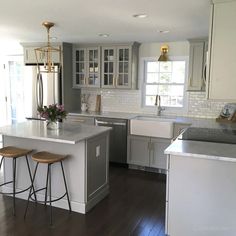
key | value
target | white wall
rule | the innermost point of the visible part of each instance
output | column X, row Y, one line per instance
column 130, row 100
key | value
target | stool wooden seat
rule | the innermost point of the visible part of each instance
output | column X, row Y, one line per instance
column 14, row 153
column 49, row 159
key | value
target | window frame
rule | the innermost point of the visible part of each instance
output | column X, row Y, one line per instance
column 143, row 86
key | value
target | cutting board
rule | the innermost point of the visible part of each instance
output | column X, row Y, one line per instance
column 98, row 103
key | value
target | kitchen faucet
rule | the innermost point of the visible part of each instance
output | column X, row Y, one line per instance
column 158, row 104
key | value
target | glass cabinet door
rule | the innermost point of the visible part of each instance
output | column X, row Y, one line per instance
column 80, row 73
column 93, row 67
column 123, row 67
column 108, row 69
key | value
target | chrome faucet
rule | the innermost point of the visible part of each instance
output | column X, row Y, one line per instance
column 158, row 104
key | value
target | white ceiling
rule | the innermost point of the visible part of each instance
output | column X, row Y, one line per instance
column 80, row 21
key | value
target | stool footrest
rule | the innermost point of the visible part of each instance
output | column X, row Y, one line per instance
column 21, row 191
column 57, row 199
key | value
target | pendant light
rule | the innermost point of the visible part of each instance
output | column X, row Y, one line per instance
column 164, row 51
column 45, row 55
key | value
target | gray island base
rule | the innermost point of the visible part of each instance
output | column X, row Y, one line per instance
column 86, row 167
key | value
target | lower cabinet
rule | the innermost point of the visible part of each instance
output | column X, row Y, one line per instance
column 147, row 151
column 88, row 120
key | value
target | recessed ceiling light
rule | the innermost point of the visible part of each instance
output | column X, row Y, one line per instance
column 141, row 15
column 164, row 31
column 104, row 35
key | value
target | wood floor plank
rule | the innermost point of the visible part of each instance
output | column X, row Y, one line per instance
column 135, row 206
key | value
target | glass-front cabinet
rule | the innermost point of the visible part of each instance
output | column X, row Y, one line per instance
column 116, row 67
column 86, row 67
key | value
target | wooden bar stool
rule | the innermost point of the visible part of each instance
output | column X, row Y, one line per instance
column 14, row 153
column 48, row 158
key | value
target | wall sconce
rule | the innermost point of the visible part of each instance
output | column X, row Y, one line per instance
column 46, row 54
column 164, row 51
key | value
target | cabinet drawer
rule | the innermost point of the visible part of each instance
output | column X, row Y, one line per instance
column 81, row 119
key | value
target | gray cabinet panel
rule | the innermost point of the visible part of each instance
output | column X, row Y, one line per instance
column 157, row 158
column 96, row 164
column 138, row 150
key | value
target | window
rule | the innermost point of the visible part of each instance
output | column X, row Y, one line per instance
column 166, row 79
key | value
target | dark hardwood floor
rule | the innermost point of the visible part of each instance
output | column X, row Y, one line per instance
column 135, row 206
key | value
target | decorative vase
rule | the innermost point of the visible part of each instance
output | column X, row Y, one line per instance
column 53, row 125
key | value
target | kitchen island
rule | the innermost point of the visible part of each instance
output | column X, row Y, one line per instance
column 86, row 167
column 201, row 189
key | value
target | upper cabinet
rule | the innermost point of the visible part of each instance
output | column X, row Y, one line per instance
column 222, row 63
column 30, row 56
column 86, row 67
column 120, row 66
column 197, row 64
column 107, row 66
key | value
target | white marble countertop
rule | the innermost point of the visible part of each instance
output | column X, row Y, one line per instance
column 205, row 150
column 118, row 115
column 194, row 122
column 68, row 133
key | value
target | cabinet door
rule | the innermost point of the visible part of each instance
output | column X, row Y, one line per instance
column 123, row 75
column 88, row 120
column 196, row 66
column 80, row 68
column 138, row 150
column 222, row 82
column 30, row 56
column 157, row 157
column 93, row 67
column 108, row 67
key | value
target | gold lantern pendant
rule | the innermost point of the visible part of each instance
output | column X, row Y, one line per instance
column 46, row 54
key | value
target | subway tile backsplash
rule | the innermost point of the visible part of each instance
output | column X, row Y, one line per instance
column 131, row 101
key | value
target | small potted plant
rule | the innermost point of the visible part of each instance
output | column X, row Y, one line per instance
column 54, row 114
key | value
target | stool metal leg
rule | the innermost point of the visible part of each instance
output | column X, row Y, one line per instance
column 46, row 190
column 31, row 178
column 65, row 186
column 14, row 184
column 31, row 189
column 1, row 162
column 50, row 192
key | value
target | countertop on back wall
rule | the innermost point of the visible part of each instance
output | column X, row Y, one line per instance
column 194, row 122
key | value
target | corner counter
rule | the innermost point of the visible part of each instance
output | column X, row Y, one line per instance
column 86, row 167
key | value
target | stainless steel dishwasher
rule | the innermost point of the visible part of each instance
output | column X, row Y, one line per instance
column 118, row 138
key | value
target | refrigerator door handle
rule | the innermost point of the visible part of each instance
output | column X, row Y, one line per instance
column 39, row 90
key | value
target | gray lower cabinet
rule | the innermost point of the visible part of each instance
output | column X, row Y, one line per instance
column 147, row 151
column 157, row 157
column 88, row 120
column 138, row 150
column 97, row 164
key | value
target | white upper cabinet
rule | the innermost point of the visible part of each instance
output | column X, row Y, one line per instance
column 86, row 67
column 222, row 63
column 30, row 56
column 197, row 64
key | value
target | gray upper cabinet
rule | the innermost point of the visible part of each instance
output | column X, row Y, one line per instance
column 86, row 67
column 197, row 65
column 120, row 66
